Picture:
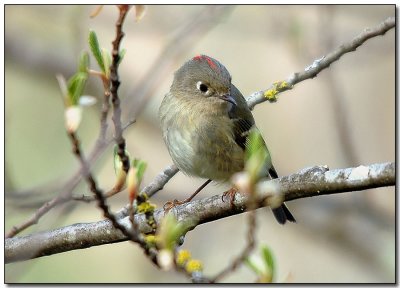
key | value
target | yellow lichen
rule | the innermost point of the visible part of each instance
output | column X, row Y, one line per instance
column 182, row 257
column 146, row 207
column 282, row 85
column 151, row 240
column 144, row 196
column 277, row 87
column 270, row 94
column 194, row 266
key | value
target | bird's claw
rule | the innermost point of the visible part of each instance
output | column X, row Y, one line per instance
column 171, row 204
column 230, row 194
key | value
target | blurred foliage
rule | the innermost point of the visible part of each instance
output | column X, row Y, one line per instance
column 300, row 130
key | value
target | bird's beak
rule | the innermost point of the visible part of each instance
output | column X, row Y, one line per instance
column 228, row 98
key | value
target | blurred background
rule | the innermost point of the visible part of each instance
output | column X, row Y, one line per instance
column 344, row 117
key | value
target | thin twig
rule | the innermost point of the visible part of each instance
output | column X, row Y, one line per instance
column 156, row 185
column 160, row 180
column 119, row 139
column 34, row 219
column 250, row 190
column 251, row 243
column 66, row 190
column 320, row 64
column 91, row 198
column 316, row 181
column 133, row 235
column 252, row 100
column 337, row 95
column 104, row 111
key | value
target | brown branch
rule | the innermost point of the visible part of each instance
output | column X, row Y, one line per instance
column 66, row 189
column 320, row 64
column 252, row 204
column 192, row 29
column 133, row 235
column 34, row 219
column 195, row 28
column 114, row 77
column 252, row 100
column 251, row 243
column 316, row 181
column 156, row 185
column 100, row 145
column 104, row 111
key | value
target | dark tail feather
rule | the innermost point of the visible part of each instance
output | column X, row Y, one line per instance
column 282, row 214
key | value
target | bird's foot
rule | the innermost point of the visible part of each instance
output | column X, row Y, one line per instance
column 230, row 194
column 171, row 204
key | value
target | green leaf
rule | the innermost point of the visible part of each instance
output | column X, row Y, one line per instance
column 252, row 266
column 107, row 61
column 121, row 55
column 255, row 142
column 94, row 47
column 166, row 236
column 171, row 230
column 63, row 85
column 256, row 155
column 75, row 86
column 268, row 260
column 141, row 166
column 117, row 160
column 84, row 62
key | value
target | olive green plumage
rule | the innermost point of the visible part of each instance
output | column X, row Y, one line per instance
column 205, row 122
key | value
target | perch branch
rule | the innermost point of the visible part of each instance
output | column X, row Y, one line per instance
column 309, row 182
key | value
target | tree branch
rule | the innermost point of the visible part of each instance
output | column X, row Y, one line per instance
column 315, row 181
column 317, row 66
column 252, row 101
column 114, row 77
column 66, row 190
column 161, row 179
column 194, row 28
column 320, row 64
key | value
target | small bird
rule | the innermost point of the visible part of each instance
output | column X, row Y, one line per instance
column 205, row 122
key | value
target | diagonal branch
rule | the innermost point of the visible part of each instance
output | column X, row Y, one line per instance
column 252, row 100
column 320, row 64
column 309, row 182
column 194, row 28
column 66, row 189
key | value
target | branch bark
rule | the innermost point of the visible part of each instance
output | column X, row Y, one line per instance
column 320, row 64
column 254, row 99
column 315, row 181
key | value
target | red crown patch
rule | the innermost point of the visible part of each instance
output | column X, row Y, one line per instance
column 210, row 62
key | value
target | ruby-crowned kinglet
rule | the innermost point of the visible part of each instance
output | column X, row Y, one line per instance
column 205, row 122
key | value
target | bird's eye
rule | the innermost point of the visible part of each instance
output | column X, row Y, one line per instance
column 202, row 87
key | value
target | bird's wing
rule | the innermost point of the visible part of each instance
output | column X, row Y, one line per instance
column 241, row 130
column 243, row 123
column 241, row 117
